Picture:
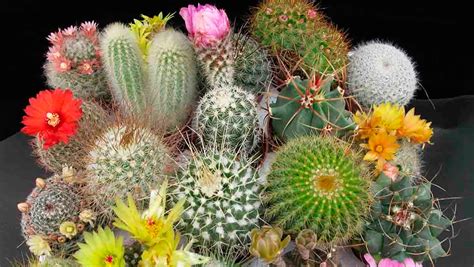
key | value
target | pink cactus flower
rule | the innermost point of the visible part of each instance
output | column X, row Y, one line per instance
column 391, row 171
column 70, row 31
column 55, row 38
column 283, row 18
column 86, row 67
column 53, row 53
column 62, row 64
column 386, row 262
column 311, row 13
column 88, row 27
column 206, row 24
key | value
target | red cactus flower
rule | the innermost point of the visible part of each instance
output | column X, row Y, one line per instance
column 53, row 116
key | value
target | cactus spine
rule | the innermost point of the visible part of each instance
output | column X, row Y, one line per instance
column 217, row 63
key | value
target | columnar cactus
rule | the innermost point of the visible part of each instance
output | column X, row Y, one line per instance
column 94, row 119
column 172, row 77
column 228, row 116
column 217, row 63
column 222, row 201
column 405, row 222
column 318, row 183
column 308, row 107
column 379, row 72
column 124, row 65
column 409, row 160
column 125, row 159
column 74, row 61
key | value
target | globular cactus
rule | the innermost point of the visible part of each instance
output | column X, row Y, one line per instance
column 74, row 61
column 405, row 222
column 307, row 107
column 58, row 262
column 318, row 183
column 172, row 77
column 125, row 67
column 253, row 68
column 55, row 201
column 217, row 63
column 93, row 121
column 228, row 116
column 127, row 158
column 409, row 160
column 222, row 201
column 379, row 72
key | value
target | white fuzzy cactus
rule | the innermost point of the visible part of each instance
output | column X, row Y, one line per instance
column 409, row 159
column 379, row 72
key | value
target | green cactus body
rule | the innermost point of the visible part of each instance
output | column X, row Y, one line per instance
column 305, row 107
column 405, row 213
column 228, row 116
column 58, row 262
column 125, row 67
column 94, row 119
column 172, row 77
column 217, row 63
column 222, row 201
column 318, row 183
column 125, row 159
column 253, row 68
column 409, row 159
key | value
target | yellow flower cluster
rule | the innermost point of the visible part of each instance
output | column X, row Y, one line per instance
column 384, row 126
column 146, row 28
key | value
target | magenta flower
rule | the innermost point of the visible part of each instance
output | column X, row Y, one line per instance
column 206, row 24
column 386, row 262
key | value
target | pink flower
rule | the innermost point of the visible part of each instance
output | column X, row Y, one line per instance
column 206, row 24
column 62, row 64
column 70, row 31
column 409, row 262
column 386, row 262
column 283, row 18
column 89, row 28
column 55, row 38
column 53, row 53
column 312, row 13
column 86, row 67
column 391, row 171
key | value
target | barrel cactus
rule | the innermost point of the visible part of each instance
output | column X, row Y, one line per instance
column 127, row 158
column 222, row 201
column 307, row 107
column 405, row 222
column 379, row 73
column 318, row 183
column 228, row 116
column 74, row 61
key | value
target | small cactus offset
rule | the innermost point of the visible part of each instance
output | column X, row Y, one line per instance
column 172, row 77
column 409, row 160
column 125, row 159
column 228, row 116
column 405, row 222
column 74, row 61
column 222, row 201
column 125, row 66
column 379, row 73
column 318, row 183
column 94, row 119
column 307, row 107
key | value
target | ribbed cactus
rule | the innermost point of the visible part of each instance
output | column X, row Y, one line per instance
column 172, row 77
column 93, row 121
column 253, row 68
column 125, row 67
column 405, row 222
column 217, row 63
column 74, row 61
column 127, row 158
column 222, row 201
column 379, row 72
column 409, row 159
column 307, row 107
column 318, row 183
column 228, row 116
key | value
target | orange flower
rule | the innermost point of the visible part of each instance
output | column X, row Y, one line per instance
column 415, row 129
column 367, row 125
column 381, row 147
column 385, row 117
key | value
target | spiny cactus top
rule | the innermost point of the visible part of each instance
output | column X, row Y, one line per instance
column 379, row 72
column 318, row 183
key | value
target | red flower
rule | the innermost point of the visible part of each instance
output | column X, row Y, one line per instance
column 53, row 115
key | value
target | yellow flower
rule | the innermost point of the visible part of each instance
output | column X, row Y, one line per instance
column 367, row 125
column 87, row 216
column 38, row 246
column 146, row 28
column 101, row 249
column 267, row 244
column 390, row 116
column 68, row 229
column 381, row 147
column 415, row 129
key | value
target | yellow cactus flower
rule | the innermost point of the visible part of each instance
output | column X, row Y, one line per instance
column 38, row 246
column 101, row 249
column 145, row 29
column 87, row 216
column 415, row 129
column 366, row 125
column 390, row 116
column 382, row 147
column 267, row 244
column 68, row 229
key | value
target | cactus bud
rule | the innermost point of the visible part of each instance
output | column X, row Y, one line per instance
column 267, row 244
column 23, row 207
column 40, row 183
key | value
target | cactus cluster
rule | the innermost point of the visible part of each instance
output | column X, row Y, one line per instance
column 74, row 61
column 127, row 158
column 405, row 222
column 318, row 183
column 222, row 201
column 307, row 107
column 379, row 72
column 228, row 116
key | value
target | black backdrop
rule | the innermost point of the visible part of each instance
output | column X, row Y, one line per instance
column 436, row 36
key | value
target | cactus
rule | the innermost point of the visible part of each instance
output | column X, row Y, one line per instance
column 318, row 183
column 379, row 72
column 125, row 67
column 127, row 158
column 405, row 222
column 409, row 159
column 253, row 68
column 51, row 203
column 94, row 119
column 56, row 262
column 217, row 63
column 222, row 201
column 172, row 77
column 309, row 107
column 74, row 62
column 228, row 116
